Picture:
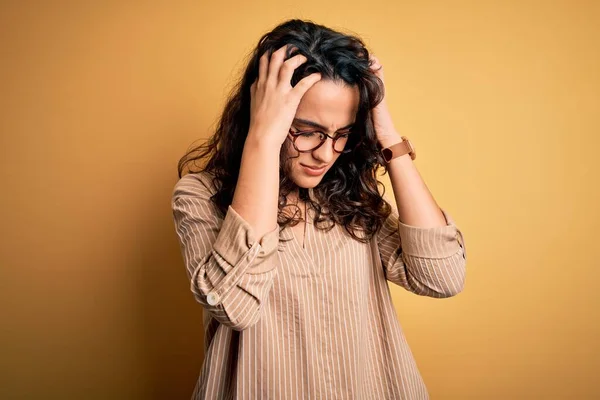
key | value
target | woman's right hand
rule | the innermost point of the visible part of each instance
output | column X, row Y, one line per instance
column 274, row 101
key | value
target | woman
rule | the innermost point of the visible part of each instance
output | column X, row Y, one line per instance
column 289, row 243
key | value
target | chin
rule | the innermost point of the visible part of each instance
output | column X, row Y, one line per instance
column 307, row 182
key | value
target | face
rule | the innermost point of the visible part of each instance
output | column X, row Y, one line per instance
column 328, row 107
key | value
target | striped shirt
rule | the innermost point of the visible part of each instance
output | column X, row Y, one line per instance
column 315, row 321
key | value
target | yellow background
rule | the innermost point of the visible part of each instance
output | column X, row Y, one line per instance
column 98, row 102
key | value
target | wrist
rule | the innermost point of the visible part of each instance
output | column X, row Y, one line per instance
column 261, row 142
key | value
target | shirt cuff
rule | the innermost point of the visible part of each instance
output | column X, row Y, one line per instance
column 237, row 237
column 436, row 242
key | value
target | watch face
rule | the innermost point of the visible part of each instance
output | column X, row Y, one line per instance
column 387, row 154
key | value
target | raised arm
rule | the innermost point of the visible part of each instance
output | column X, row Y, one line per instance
column 426, row 261
column 231, row 261
column 231, row 269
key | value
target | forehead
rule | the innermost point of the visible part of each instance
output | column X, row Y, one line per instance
column 329, row 103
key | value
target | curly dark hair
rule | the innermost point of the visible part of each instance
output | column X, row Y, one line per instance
column 350, row 189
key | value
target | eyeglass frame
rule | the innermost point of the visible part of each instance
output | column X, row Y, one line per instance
column 296, row 135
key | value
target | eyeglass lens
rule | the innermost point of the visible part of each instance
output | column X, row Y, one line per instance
column 307, row 141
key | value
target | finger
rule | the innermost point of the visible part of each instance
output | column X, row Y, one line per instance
column 289, row 66
column 305, row 83
column 275, row 64
column 375, row 66
column 379, row 73
column 253, row 88
column 263, row 65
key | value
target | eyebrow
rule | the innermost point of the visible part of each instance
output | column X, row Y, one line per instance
column 316, row 125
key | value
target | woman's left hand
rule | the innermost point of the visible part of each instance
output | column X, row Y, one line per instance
column 382, row 120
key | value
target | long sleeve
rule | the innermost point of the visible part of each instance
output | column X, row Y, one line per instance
column 231, row 272
column 426, row 261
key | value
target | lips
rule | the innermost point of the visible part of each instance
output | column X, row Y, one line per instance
column 316, row 168
column 313, row 171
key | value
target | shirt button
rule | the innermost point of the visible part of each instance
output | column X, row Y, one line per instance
column 212, row 299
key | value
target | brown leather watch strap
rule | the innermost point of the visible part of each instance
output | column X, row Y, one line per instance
column 399, row 149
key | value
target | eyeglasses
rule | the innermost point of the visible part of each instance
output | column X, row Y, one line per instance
column 307, row 141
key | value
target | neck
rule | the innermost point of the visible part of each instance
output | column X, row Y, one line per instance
column 298, row 195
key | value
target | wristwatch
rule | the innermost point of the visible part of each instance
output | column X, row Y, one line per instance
column 399, row 149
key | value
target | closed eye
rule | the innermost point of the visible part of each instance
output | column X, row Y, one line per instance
column 308, row 133
column 299, row 132
column 311, row 133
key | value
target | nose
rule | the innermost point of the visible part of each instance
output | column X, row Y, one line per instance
column 325, row 152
